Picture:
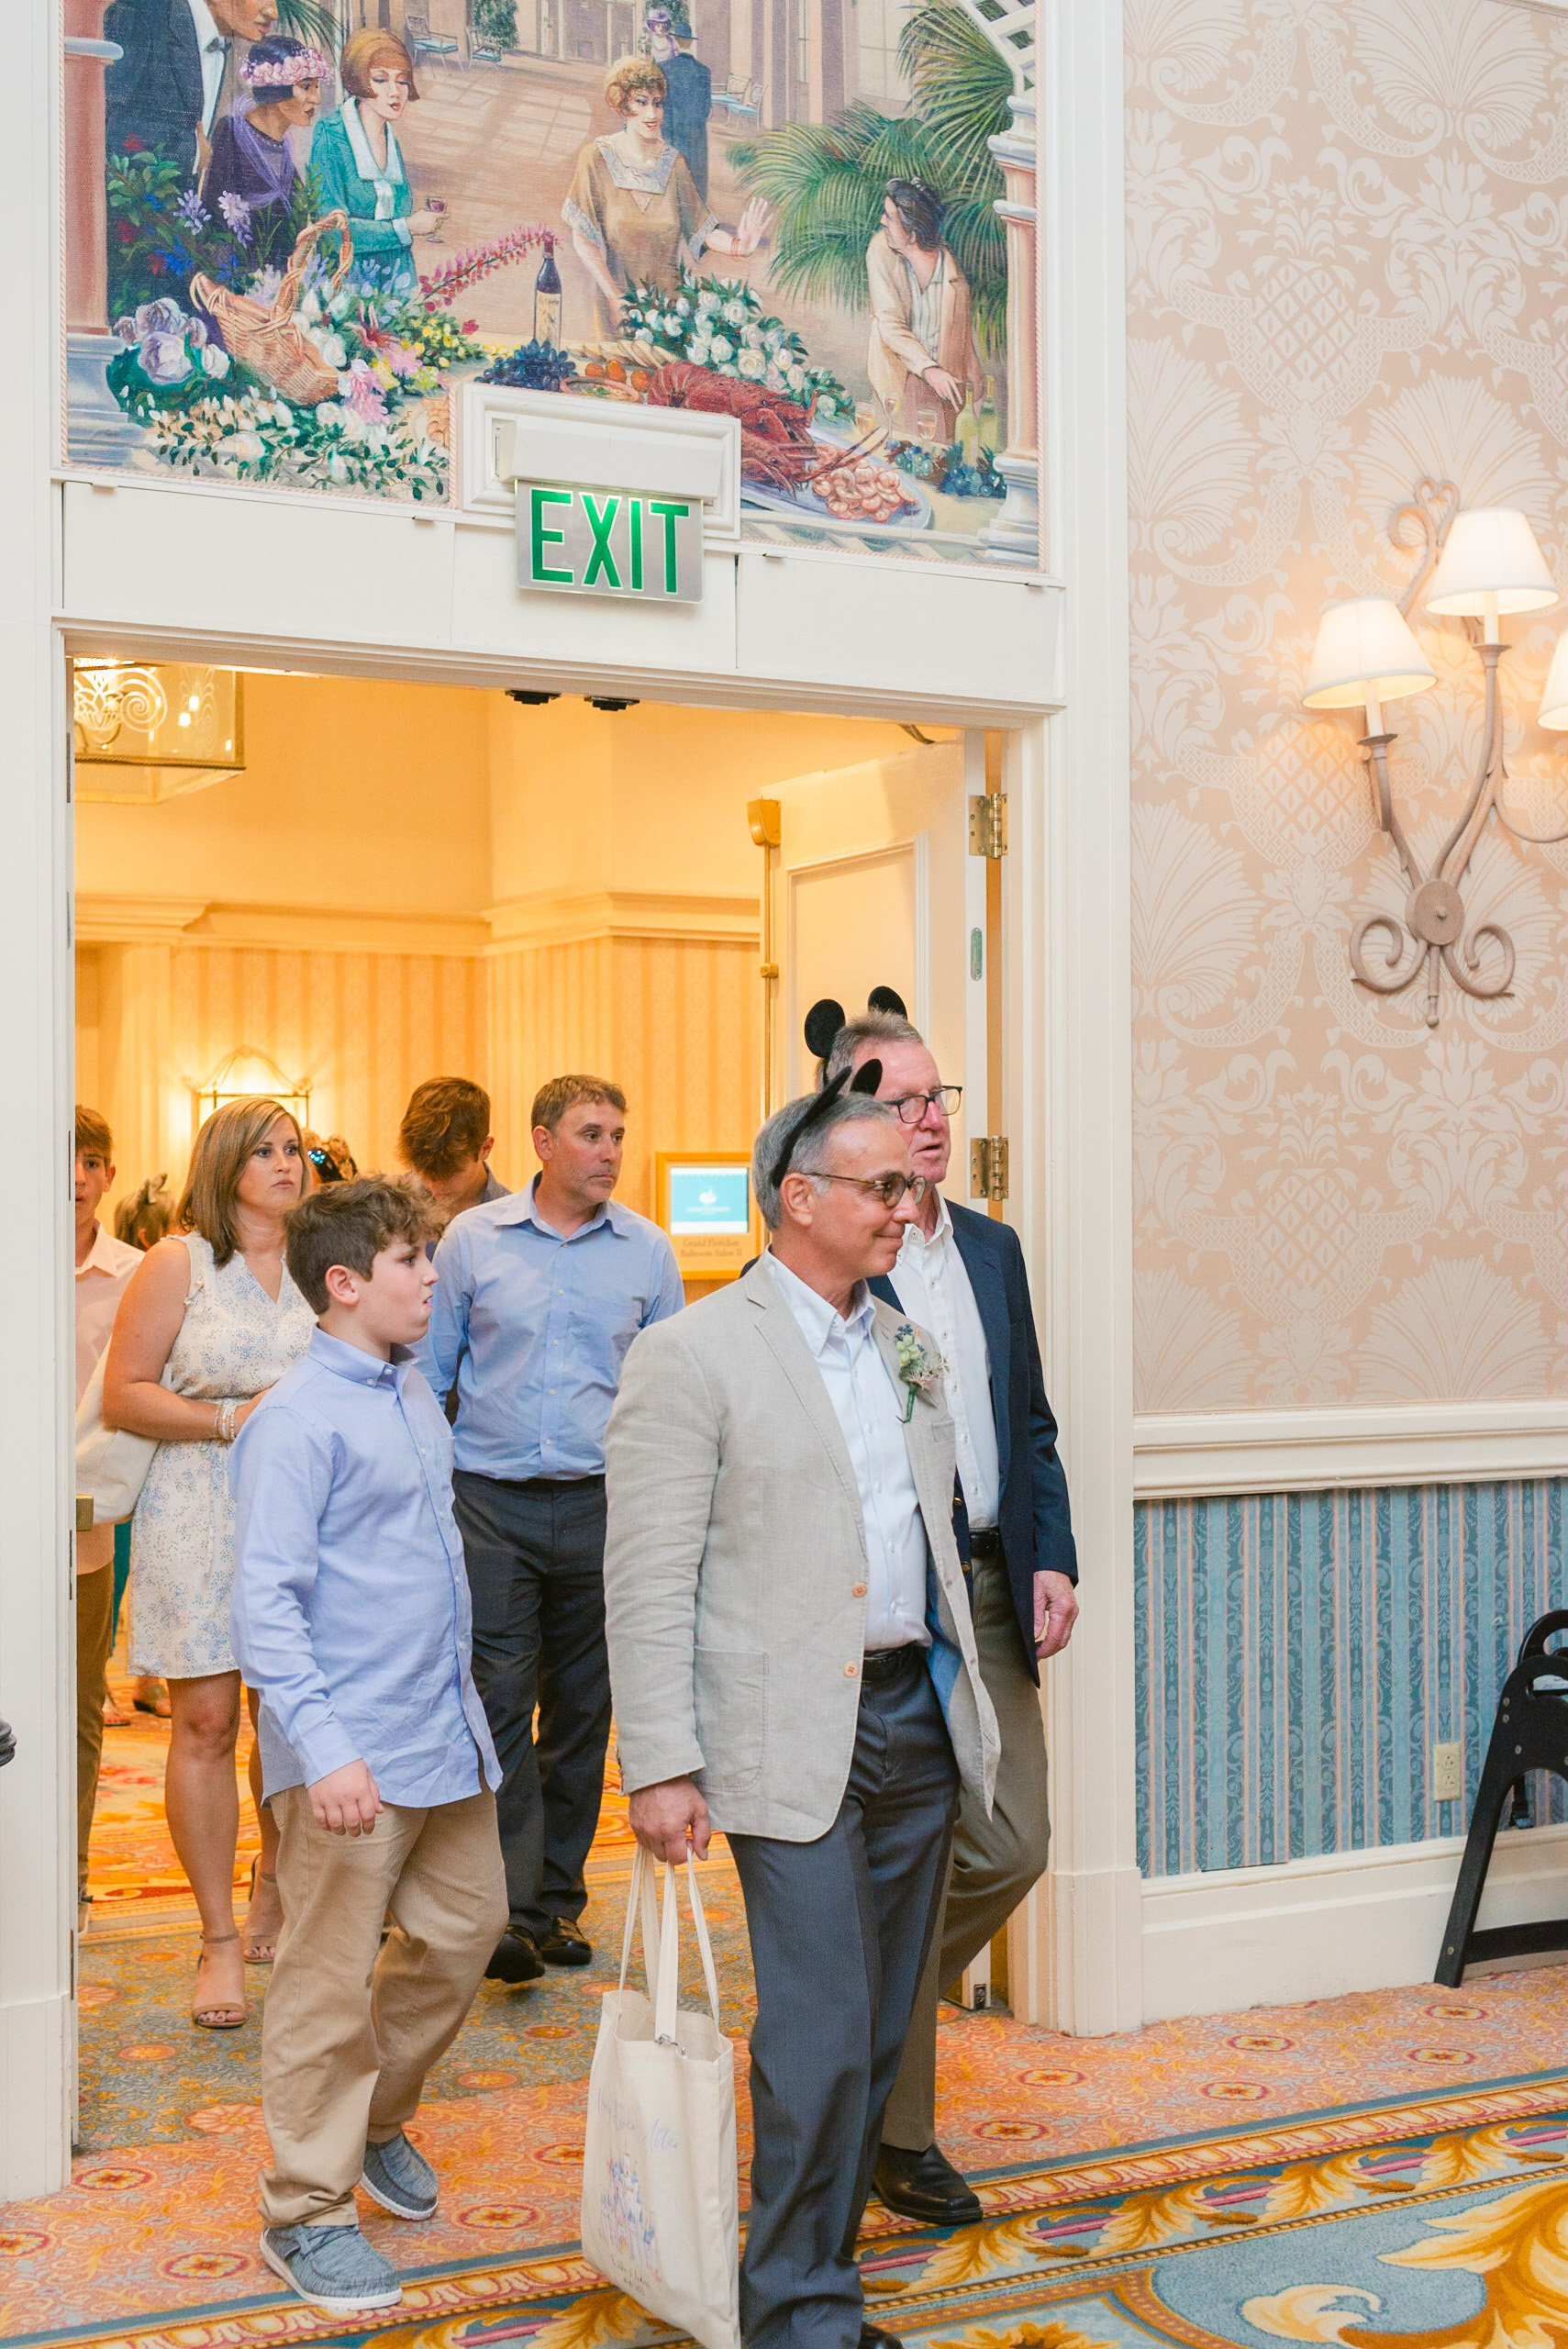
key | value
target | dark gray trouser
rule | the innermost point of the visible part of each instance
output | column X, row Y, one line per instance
column 839, row 1928
column 535, row 1572
column 995, row 1860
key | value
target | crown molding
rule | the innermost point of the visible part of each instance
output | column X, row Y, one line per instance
column 102, row 919
column 551, row 919
column 1204, row 1454
column 106, row 920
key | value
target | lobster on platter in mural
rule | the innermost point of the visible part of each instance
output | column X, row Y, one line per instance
column 776, row 445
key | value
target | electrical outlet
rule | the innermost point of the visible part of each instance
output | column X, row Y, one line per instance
column 1448, row 1773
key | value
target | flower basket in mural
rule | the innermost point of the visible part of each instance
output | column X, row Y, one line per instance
column 267, row 338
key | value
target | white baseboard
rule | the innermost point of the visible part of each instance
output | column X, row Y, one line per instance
column 1316, row 1928
column 1181, row 1456
column 37, row 2051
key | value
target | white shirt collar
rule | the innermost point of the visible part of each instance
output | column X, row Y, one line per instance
column 914, row 1238
column 819, row 1320
column 206, row 28
column 108, row 1254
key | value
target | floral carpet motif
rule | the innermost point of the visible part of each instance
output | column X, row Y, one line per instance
column 1440, row 2224
column 1201, row 2181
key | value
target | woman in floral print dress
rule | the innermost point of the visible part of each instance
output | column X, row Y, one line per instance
column 209, row 1322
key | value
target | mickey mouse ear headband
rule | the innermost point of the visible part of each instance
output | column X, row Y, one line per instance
column 823, row 1022
column 825, row 1017
column 866, row 1079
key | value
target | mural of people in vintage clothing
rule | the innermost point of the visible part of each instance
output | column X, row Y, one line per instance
column 163, row 92
column 253, row 171
column 688, row 87
column 359, row 164
column 634, row 209
column 921, row 358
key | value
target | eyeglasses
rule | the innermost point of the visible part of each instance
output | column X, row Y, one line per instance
column 912, row 1106
column 888, row 1188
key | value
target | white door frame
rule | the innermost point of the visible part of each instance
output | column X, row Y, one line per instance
column 1068, row 1084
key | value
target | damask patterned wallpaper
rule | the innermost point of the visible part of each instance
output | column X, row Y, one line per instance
column 1348, row 227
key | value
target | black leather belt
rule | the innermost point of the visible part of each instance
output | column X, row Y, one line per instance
column 886, row 1664
column 986, row 1543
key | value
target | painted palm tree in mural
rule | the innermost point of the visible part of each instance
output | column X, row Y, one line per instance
column 826, row 180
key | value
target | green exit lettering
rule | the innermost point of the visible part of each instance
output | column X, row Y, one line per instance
column 609, row 543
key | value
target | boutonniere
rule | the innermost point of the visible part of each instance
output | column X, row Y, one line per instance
column 920, row 1369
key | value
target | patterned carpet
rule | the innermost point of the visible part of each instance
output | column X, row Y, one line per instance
column 1203, row 2181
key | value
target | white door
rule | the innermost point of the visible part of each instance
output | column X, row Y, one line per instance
column 875, row 887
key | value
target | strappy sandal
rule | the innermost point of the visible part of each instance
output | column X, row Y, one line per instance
column 220, row 2015
column 158, row 1706
column 115, row 1714
column 258, row 1956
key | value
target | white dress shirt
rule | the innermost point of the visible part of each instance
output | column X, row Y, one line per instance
column 867, row 1406
column 932, row 1285
column 100, row 1285
column 213, row 49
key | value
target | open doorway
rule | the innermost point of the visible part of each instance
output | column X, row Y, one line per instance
column 347, row 886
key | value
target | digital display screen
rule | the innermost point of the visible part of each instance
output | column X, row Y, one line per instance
column 710, row 1199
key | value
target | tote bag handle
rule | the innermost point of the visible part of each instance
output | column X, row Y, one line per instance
column 640, row 1903
column 669, row 1955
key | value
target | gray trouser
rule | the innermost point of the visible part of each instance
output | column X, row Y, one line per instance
column 839, row 1928
column 995, row 1860
column 535, row 1552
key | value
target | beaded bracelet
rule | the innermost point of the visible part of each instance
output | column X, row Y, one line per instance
column 223, row 1423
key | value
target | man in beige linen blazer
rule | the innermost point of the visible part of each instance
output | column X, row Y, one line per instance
column 793, row 1662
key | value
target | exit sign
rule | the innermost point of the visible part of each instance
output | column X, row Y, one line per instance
column 609, row 543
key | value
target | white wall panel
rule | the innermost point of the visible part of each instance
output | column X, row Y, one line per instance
column 933, row 634
column 252, row 566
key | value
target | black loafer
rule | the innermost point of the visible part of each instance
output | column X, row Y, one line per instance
column 926, row 2186
column 874, row 2337
column 564, row 1945
column 516, row 1957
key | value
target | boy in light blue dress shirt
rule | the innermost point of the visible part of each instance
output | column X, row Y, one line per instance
column 352, row 1618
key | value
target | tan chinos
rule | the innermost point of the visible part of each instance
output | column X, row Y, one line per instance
column 994, row 1859
column 94, row 1637
column 351, row 2026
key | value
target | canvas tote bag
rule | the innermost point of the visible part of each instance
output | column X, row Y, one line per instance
column 660, row 2207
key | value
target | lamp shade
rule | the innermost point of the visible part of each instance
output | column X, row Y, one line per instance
column 1490, row 550
column 1555, row 695
column 1364, row 643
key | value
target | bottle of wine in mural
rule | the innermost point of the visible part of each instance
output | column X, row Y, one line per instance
column 966, row 431
column 547, row 297
column 989, row 429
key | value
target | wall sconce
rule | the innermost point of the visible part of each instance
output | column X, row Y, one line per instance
column 243, row 1073
column 1487, row 564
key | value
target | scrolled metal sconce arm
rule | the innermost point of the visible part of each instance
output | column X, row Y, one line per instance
column 1432, row 935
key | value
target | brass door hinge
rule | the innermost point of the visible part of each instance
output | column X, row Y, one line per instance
column 988, row 823
column 988, row 1167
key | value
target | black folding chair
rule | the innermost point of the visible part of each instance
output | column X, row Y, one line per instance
column 1529, row 1734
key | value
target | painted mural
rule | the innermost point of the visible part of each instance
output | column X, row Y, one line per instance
column 296, row 228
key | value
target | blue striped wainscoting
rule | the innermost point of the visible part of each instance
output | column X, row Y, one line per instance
column 1299, row 1655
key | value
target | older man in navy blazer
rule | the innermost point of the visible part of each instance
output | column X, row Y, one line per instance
column 962, row 1276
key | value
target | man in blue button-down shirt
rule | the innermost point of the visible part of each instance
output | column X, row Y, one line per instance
column 350, row 1617
column 538, row 1298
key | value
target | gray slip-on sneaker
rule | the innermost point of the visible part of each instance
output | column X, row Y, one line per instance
column 400, row 2179
column 332, row 2267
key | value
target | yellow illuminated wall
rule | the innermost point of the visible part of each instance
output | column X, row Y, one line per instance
column 413, row 881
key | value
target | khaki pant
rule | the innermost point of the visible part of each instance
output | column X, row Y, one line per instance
column 995, row 1860
column 352, row 2026
column 94, row 1637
